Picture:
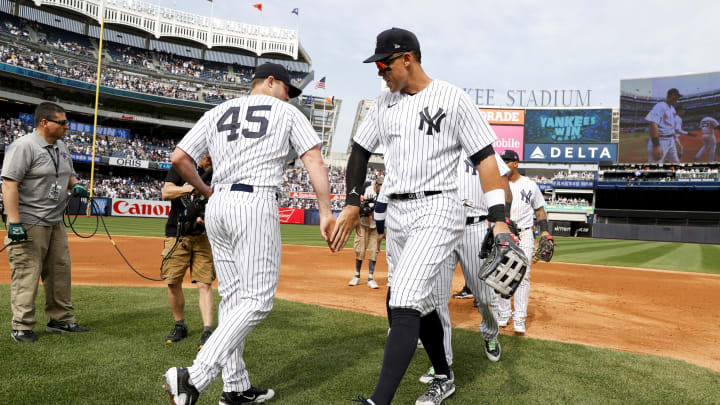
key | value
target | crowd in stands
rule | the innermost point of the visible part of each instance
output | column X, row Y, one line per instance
column 139, row 147
column 14, row 29
column 118, row 79
column 570, row 201
column 130, row 55
column 574, row 176
column 640, row 173
column 139, row 188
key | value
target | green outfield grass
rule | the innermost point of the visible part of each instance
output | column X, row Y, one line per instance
column 313, row 355
column 655, row 255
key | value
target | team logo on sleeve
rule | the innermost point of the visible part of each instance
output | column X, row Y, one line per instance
column 433, row 122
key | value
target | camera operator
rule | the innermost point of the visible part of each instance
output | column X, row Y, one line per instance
column 366, row 236
column 187, row 246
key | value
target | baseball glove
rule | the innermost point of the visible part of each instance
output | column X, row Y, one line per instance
column 489, row 240
column 545, row 249
column 505, row 265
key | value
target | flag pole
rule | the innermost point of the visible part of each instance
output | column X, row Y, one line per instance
column 97, row 99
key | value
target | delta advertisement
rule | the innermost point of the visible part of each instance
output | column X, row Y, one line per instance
column 571, row 153
column 683, row 111
column 508, row 127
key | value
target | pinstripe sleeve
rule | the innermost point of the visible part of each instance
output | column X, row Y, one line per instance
column 368, row 135
column 302, row 135
column 194, row 143
column 473, row 130
column 538, row 199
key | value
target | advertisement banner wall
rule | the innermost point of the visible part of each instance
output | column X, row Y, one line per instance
column 571, row 152
column 503, row 116
column 568, row 126
column 313, row 196
column 509, row 137
column 292, row 215
column 123, row 207
column 137, row 163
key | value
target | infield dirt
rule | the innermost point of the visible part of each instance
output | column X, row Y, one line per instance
column 654, row 312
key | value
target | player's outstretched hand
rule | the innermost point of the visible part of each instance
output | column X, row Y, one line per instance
column 327, row 224
column 346, row 222
column 657, row 152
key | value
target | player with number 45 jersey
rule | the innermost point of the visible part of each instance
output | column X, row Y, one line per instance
column 248, row 139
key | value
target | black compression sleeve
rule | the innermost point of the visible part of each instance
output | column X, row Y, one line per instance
column 480, row 155
column 355, row 174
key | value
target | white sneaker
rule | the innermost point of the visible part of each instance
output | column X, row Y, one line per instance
column 440, row 388
column 519, row 326
column 355, row 280
column 420, row 345
column 372, row 284
column 428, row 377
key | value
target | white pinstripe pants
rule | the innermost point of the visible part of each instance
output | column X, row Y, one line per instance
column 244, row 232
column 422, row 234
column 467, row 253
column 522, row 295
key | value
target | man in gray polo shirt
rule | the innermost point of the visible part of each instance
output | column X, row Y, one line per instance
column 37, row 174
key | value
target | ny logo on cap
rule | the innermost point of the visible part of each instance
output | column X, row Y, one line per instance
column 433, row 122
column 396, row 46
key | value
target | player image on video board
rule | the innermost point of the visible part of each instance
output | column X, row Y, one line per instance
column 670, row 119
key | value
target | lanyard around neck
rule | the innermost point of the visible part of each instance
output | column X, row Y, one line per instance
column 55, row 159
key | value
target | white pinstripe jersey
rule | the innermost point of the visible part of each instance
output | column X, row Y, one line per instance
column 527, row 197
column 423, row 135
column 248, row 139
column 708, row 125
column 470, row 189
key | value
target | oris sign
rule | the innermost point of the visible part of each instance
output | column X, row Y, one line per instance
column 122, row 207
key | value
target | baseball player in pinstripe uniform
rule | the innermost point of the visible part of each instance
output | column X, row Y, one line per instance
column 661, row 119
column 707, row 126
column 467, row 254
column 247, row 139
column 527, row 201
column 424, row 125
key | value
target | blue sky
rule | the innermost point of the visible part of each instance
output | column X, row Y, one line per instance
column 499, row 45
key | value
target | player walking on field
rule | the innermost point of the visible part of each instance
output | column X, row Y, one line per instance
column 527, row 201
column 467, row 254
column 708, row 125
column 247, row 139
column 679, row 130
column 424, row 125
column 661, row 145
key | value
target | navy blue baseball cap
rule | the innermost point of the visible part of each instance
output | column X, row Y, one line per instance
column 510, row 156
column 392, row 41
column 279, row 73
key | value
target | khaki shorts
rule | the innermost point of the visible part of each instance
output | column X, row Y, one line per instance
column 366, row 238
column 192, row 252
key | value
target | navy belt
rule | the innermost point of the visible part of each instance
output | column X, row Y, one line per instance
column 413, row 196
column 242, row 187
column 475, row 220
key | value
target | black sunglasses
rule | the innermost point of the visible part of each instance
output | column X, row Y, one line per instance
column 384, row 65
column 61, row 123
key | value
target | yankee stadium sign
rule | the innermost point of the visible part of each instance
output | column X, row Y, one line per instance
column 531, row 98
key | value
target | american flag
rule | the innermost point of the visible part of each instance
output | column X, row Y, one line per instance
column 320, row 84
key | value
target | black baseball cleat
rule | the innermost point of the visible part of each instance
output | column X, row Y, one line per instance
column 179, row 332
column 203, row 338
column 179, row 388
column 493, row 350
column 24, row 336
column 362, row 400
column 463, row 294
column 250, row 396
column 57, row 327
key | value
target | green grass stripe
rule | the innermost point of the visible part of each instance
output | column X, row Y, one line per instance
column 313, row 355
column 659, row 255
